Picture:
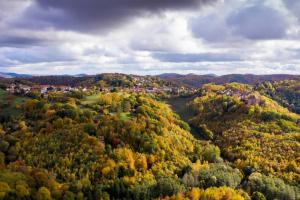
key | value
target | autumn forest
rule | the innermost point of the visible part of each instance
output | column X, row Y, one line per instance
column 117, row 136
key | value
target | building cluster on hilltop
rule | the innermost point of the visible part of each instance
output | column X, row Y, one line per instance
column 247, row 97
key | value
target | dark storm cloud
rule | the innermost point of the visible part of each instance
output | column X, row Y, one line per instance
column 258, row 23
column 203, row 57
column 94, row 15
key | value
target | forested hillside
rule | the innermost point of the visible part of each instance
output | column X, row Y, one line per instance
column 255, row 133
column 86, row 144
column 287, row 93
column 149, row 99
column 108, row 145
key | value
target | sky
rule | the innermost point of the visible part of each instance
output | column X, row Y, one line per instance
column 150, row 36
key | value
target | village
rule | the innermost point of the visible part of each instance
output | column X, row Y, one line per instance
column 15, row 88
column 22, row 89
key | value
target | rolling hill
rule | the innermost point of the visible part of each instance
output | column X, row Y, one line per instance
column 253, row 131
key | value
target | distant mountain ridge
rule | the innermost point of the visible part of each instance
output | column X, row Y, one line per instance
column 188, row 80
column 193, row 80
column 172, row 75
column 13, row 75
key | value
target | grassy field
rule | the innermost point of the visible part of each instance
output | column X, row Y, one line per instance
column 8, row 103
column 91, row 99
column 125, row 116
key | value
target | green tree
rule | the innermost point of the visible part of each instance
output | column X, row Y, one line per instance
column 43, row 194
column 258, row 196
column 4, row 145
column 166, row 186
column 90, row 129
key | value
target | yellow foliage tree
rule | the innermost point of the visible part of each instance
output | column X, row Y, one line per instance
column 4, row 189
column 43, row 194
column 195, row 193
column 141, row 162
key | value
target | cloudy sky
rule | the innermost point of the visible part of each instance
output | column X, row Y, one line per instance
column 150, row 36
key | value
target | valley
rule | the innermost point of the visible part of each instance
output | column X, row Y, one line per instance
column 179, row 106
column 105, row 140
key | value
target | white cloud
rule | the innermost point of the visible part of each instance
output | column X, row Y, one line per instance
column 204, row 34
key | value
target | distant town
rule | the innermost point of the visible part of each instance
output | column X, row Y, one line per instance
column 22, row 89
